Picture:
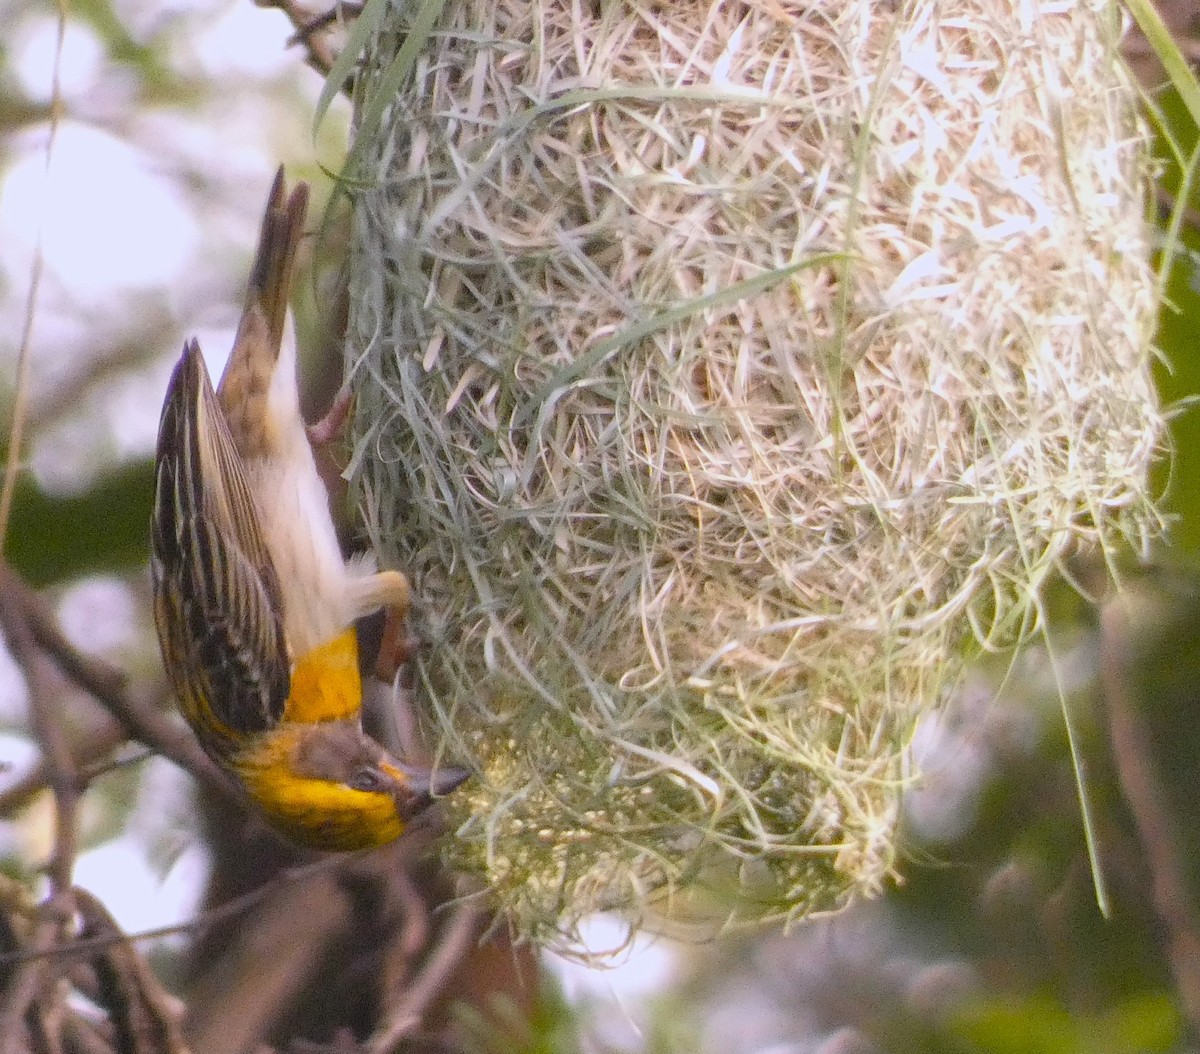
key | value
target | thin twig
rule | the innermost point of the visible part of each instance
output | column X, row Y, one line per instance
column 25, row 355
column 404, row 915
column 145, row 1017
column 81, row 1036
column 311, row 30
column 26, row 984
column 140, row 714
column 456, row 940
column 416, row 926
column 46, row 719
column 268, row 964
column 210, row 917
column 96, row 744
column 1148, row 803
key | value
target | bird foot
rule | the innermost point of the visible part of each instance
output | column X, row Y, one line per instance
column 305, row 30
column 324, row 431
column 397, row 645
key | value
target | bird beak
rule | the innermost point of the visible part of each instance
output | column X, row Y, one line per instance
column 421, row 786
column 435, row 782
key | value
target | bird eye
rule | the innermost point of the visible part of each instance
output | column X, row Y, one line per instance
column 366, row 780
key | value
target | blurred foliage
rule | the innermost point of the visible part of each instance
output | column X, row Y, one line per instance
column 1142, row 1025
column 1178, row 370
column 552, row 1027
column 55, row 539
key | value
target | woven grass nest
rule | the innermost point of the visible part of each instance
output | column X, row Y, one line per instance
column 727, row 373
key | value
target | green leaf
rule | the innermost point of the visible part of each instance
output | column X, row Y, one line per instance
column 361, row 30
column 52, row 539
column 384, row 93
column 1160, row 39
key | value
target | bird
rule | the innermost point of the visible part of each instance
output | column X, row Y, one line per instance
column 254, row 604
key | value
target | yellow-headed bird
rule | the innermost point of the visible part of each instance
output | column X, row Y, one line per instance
column 254, row 604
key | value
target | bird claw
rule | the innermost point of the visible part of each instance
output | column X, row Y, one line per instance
column 324, row 431
column 335, row 14
column 397, row 645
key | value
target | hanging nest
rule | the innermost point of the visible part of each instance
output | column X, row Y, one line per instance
column 727, row 372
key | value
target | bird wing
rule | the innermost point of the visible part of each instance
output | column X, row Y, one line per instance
column 218, row 603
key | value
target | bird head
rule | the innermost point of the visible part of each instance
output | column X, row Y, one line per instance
column 330, row 786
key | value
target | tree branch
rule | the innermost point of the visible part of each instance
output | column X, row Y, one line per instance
column 1148, row 803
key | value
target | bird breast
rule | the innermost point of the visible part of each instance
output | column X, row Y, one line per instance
column 293, row 508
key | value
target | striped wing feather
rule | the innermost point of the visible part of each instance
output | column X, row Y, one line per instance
column 217, row 596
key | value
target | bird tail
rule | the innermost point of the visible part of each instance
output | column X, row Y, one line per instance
column 253, row 393
column 279, row 237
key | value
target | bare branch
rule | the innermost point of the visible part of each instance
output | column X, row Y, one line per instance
column 273, row 957
column 46, row 719
column 140, row 713
column 25, row 986
column 145, row 1018
column 459, row 936
column 97, row 744
column 312, row 31
column 1131, row 745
